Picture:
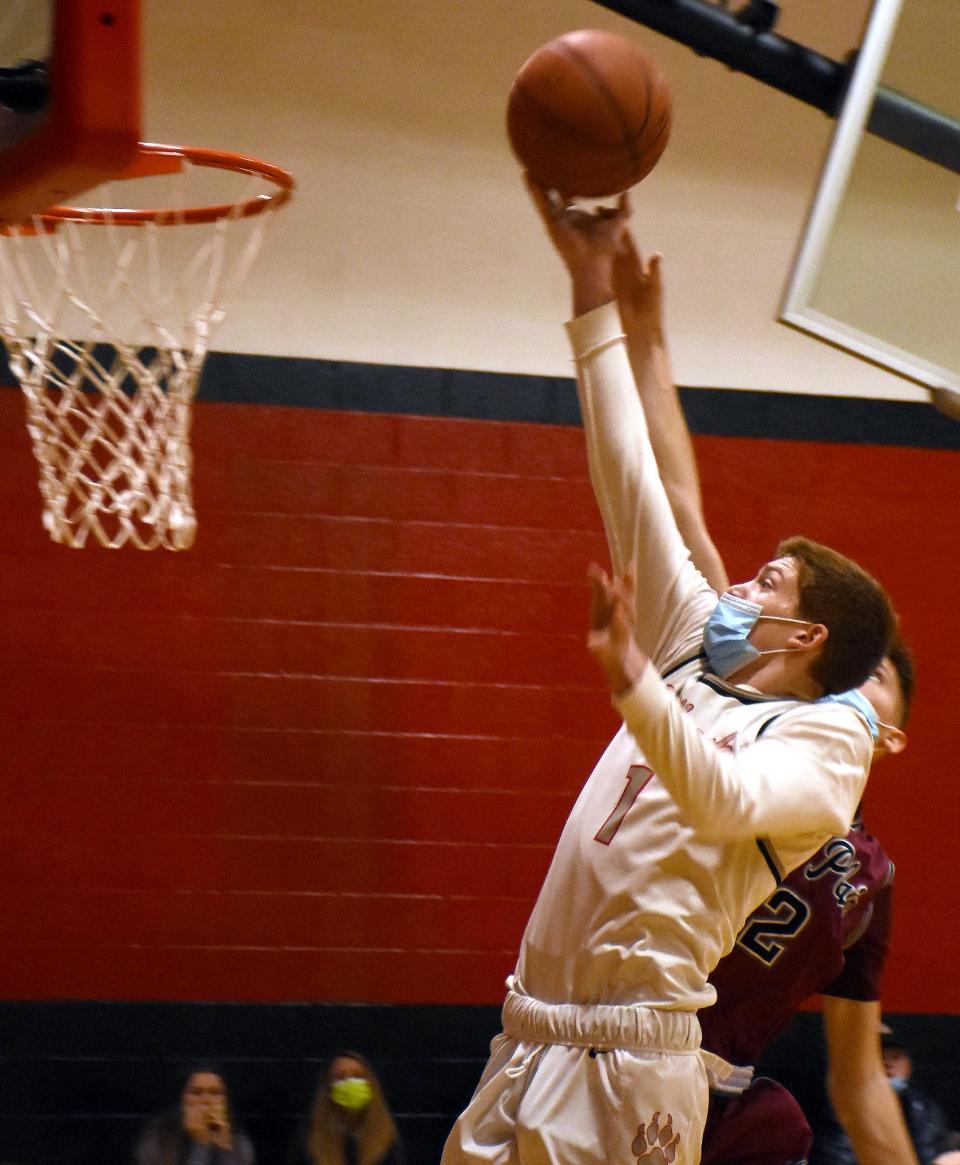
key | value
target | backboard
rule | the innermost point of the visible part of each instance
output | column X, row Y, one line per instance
column 69, row 98
column 878, row 271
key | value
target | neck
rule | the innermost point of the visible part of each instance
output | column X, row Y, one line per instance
column 777, row 675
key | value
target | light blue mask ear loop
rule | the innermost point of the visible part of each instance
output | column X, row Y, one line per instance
column 856, row 700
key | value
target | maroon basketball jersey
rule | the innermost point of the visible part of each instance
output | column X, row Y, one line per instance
column 764, row 1126
column 824, row 929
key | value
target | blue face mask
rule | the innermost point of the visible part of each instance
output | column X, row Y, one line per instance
column 898, row 1084
column 725, row 637
column 856, row 700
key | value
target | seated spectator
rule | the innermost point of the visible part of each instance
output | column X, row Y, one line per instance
column 923, row 1116
column 198, row 1130
column 925, row 1120
column 349, row 1122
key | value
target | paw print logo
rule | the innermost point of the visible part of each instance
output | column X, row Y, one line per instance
column 656, row 1142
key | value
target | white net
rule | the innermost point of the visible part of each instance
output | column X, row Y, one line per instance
column 107, row 327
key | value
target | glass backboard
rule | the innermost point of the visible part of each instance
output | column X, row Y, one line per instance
column 26, row 45
column 878, row 271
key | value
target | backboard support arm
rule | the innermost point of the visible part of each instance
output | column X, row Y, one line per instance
column 800, row 72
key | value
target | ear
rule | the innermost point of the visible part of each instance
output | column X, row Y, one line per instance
column 892, row 741
column 812, row 635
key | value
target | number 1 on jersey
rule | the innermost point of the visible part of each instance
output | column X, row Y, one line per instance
column 637, row 777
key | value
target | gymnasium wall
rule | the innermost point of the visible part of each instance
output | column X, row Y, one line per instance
column 323, row 757
column 412, row 242
column 297, row 788
column 326, row 753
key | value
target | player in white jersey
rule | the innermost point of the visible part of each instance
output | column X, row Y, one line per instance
column 759, row 990
column 725, row 775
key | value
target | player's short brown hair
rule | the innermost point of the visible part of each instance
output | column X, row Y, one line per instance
column 853, row 607
column 901, row 660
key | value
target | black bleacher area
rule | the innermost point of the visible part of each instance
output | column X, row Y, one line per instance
column 79, row 1079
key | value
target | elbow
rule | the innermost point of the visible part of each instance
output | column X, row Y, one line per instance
column 829, row 820
column 839, row 823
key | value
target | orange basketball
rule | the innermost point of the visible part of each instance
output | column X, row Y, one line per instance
column 589, row 114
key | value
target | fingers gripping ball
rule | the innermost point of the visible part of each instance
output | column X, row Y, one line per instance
column 589, row 114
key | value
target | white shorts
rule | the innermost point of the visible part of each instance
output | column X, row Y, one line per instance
column 586, row 1085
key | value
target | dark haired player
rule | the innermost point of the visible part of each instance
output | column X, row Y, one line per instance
column 727, row 773
column 826, row 928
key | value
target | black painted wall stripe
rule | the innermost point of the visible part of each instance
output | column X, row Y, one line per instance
column 300, row 382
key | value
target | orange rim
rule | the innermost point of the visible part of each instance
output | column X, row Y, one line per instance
column 153, row 159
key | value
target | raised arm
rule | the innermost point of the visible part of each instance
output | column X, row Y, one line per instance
column 858, row 1087
column 639, row 289
column 587, row 242
column 673, row 599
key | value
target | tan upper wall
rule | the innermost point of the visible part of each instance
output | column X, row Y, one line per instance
column 411, row 240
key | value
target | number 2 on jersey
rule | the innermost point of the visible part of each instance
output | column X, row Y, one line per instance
column 765, row 937
column 637, row 777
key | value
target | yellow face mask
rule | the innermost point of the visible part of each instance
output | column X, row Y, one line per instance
column 353, row 1094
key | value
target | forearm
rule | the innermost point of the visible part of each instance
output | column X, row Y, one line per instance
column 673, row 449
column 621, row 463
column 774, row 787
column 650, row 363
column 859, row 1091
column 874, row 1122
column 670, row 596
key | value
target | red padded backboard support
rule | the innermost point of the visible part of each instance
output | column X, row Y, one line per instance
column 93, row 123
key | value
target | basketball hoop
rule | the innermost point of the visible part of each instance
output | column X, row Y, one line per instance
column 107, row 315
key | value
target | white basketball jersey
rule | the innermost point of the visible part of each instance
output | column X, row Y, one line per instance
column 638, row 906
column 669, row 847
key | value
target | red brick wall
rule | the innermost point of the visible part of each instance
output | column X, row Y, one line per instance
column 325, row 754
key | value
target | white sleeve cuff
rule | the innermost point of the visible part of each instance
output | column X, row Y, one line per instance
column 595, row 330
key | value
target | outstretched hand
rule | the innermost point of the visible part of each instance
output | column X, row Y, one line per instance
column 638, row 284
column 586, row 240
column 610, row 640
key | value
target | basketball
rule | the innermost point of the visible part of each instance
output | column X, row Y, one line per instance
column 589, row 114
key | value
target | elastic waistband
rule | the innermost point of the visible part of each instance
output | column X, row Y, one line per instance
column 600, row 1025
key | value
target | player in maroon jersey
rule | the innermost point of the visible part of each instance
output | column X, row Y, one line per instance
column 826, row 928
column 793, row 946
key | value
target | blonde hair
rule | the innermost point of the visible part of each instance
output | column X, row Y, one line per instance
column 376, row 1131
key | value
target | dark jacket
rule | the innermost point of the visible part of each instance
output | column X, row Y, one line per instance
column 163, row 1143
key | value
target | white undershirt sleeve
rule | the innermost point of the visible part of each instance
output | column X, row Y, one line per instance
column 673, row 598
